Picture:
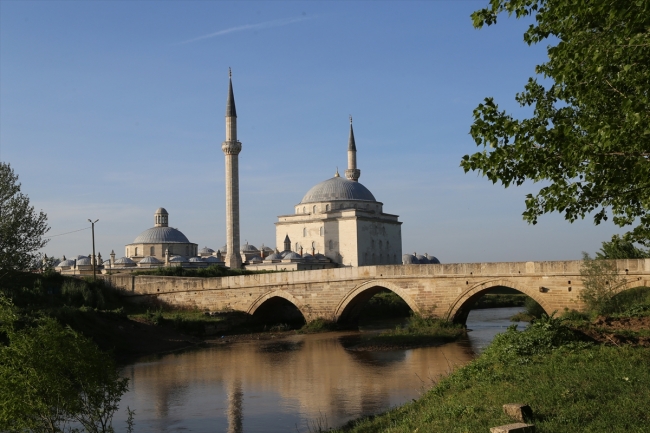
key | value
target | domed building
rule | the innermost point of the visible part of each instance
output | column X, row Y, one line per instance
column 341, row 219
column 159, row 239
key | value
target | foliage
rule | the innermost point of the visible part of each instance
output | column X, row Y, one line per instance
column 21, row 227
column 619, row 248
column 208, row 272
column 500, row 301
column 419, row 331
column 600, row 280
column 570, row 385
column 589, row 135
column 533, row 308
column 318, row 325
column 62, row 377
column 383, row 305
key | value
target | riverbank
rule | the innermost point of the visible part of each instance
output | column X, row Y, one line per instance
column 576, row 373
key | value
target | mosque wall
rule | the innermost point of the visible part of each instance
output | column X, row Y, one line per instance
column 379, row 242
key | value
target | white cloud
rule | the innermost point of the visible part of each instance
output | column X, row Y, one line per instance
column 264, row 25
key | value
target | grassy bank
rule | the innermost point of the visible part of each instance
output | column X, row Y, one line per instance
column 571, row 384
column 418, row 331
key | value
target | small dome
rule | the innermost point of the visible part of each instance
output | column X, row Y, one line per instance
column 161, row 235
column 84, row 261
column 177, row 259
column 162, row 210
column 255, row 259
column 206, row 250
column 266, row 249
column 422, row 259
column 291, row 256
column 338, row 188
column 65, row 263
column 81, row 257
column 274, row 256
column 248, row 248
column 319, row 256
column 150, row 260
column 196, row 260
column 124, row 261
column 212, row 259
column 410, row 259
column 434, row 260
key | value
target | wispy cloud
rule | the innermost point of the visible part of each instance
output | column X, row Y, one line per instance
column 264, row 25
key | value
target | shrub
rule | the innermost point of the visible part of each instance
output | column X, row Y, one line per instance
column 533, row 308
column 600, row 279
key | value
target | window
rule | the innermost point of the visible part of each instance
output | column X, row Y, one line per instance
column 387, row 244
column 381, row 245
column 381, row 258
column 152, row 251
column 331, row 245
column 321, row 231
column 304, row 232
column 187, row 250
column 365, row 258
column 394, row 258
column 304, row 209
column 374, row 260
column 127, row 252
column 314, row 209
column 372, row 243
column 297, row 246
column 327, row 208
column 297, row 210
column 136, row 251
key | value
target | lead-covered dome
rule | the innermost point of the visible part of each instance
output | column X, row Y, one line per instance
column 337, row 188
column 160, row 235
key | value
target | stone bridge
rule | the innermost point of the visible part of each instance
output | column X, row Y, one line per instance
column 445, row 290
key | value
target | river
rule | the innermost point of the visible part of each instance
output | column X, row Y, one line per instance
column 290, row 385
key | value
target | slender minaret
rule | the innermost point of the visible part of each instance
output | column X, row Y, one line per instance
column 231, row 148
column 352, row 173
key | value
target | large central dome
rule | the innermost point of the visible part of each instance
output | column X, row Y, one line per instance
column 161, row 235
column 338, row 188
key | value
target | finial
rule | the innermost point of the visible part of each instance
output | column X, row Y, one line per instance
column 229, row 72
column 337, row 173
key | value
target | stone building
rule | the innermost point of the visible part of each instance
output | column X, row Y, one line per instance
column 341, row 219
column 160, row 239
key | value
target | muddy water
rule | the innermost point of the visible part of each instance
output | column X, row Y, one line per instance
column 293, row 384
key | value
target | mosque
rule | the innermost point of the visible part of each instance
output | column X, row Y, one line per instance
column 337, row 223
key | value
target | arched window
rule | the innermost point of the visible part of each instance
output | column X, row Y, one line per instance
column 381, row 245
column 387, row 244
column 304, row 232
column 152, row 251
column 394, row 258
column 297, row 247
column 327, row 208
column 321, row 231
column 372, row 243
column 331, row 245
column 304, row 209
column 297, row 210
column 136, row 251
column 314, row 209
column 127, row 252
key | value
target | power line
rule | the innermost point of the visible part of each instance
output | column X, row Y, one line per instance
column 67, row 233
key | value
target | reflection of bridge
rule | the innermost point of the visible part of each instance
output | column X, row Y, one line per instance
column 339, row 294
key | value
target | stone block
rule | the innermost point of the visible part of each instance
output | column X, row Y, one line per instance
column 518, row 412
column 514, row 428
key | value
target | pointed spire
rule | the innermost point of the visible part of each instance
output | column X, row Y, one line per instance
column 351, row 144
column 231, row 111
column 337, row 173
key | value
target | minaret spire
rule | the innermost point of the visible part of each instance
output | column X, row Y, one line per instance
column 352, row 173
column 231, row 148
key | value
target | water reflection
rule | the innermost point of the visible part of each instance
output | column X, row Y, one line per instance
column 282, row 385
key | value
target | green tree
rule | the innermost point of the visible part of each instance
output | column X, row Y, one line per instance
column 619, row 248
column 589, row 135
column 21, row 227
column 51, row 377
column 600, row 281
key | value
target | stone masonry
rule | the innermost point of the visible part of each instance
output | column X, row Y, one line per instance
column 445, row 290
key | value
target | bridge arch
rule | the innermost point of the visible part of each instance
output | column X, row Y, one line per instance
column 270, row 296
column 350, row 306
column 459, row 308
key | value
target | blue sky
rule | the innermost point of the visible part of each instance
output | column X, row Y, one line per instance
column 112, row 109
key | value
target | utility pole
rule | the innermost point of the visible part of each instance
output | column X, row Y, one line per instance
column 94, row 262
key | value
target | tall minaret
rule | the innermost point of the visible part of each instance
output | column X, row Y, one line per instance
column 231, row 148
column 352, row 173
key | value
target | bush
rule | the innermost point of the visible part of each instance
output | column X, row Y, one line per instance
column 533, row 308
column 600, row 279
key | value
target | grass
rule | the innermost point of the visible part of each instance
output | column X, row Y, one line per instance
column 417, row 332
column 316, row 326
column 570, row 384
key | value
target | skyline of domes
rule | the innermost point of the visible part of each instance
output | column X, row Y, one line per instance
column 337, row 188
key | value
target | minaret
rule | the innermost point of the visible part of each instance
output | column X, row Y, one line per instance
column 231, row 148
column 352, row 173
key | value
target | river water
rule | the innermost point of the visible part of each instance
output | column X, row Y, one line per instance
column 290, row 385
